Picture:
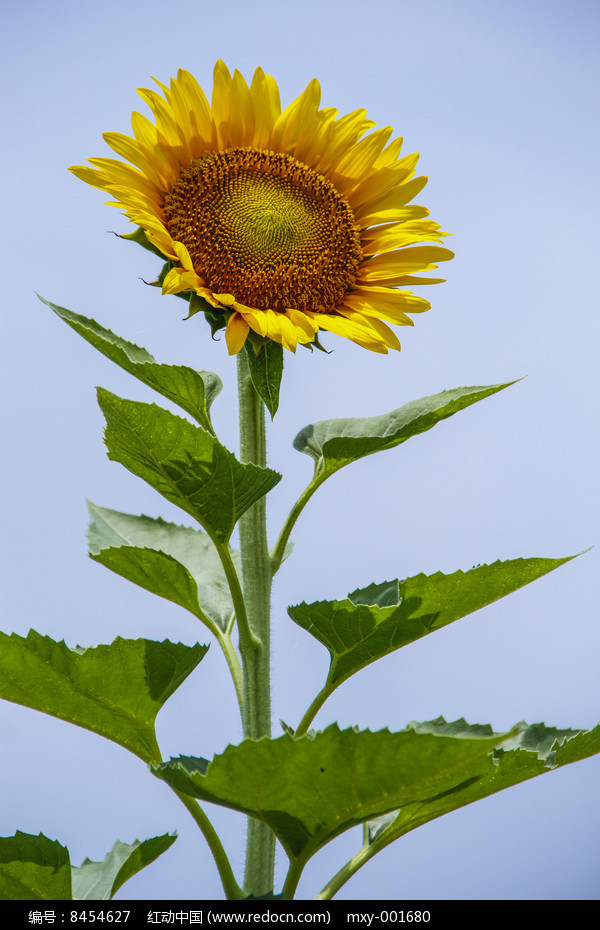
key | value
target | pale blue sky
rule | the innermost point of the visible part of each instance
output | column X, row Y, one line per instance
column 501, row 100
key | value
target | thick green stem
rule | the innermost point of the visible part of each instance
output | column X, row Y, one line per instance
column 255, row 648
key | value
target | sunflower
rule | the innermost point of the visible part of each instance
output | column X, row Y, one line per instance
column 287, row 222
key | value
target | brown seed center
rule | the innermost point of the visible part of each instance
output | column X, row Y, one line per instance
column 265, row 228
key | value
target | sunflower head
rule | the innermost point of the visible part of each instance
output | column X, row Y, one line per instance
column 285, row 222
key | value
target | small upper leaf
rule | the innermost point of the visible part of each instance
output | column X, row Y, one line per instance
column 374, row 621
column 34, row 868
column 114, row 690
column 175, row 562
column 193, row 391
column 335, row 443
column 187, row 465
column 100, row 881
column 266, row 370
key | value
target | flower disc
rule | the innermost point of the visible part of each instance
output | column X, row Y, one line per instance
column 266, row 228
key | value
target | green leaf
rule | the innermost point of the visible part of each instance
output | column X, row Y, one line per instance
column 532, row 750
column 185, row 464
column 193, row 391
column 266, row 370
column 100, row 881
column 311, row 789
column 175, row 562
column 374, row 621
column 335, row 443
column 34, row 868
column 114, row 690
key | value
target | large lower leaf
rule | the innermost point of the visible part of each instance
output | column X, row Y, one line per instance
column 311, row 789
column 175, row 562
column 374, row 621
column 185, row 464
column 532, row 751
column 334, row 443
column 115, row 690
column 34, row 868
column 193, row 391
column 100, row 881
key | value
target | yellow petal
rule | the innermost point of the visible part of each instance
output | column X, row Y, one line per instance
column 255, row 319
column 311, row 145
column 199, row 113
column 236, row 333
column 154, row 146
column 183, row 255
column 396, row 235
column 386, row 209
column 118, row 172
column 355, row 329
column 176, row 281
column 403, row 261
column 389, row 156
column 165, row 122
column 180, row 108
column 89, row 175
column 357, row 162
column 267, row 106
column 306, row 328
column 383, row 181
column 387, row 335
column 281, row 330
column 241, row 113
column 298, row 118
column 227, row 300
column 387, row 303
column 220, row 101
column 347, row 130
column 153, row 165
column 143, row 130
column 289, row 336
column 409, row 279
